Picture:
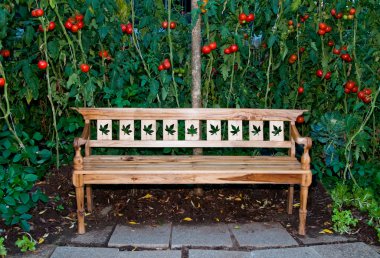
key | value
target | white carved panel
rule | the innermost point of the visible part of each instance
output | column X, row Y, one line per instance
column 235, row 130
column 127, row 130
column 192, row 131
column 104, row 130
column 170, row 130
column 256, row 130
column 148, row 130
column 276, row 131
column 214, row 130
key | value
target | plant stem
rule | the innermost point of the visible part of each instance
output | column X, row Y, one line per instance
column 50, row 97
column 232, row 72
column 268, row 76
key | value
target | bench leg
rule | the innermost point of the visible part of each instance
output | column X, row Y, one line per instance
column 303, row 210
column 89, row 198
column 290, row 199
column 79, row 190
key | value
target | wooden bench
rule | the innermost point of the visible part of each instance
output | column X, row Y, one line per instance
column 180, row 128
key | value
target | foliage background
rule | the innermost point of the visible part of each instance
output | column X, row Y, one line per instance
column 36, row 121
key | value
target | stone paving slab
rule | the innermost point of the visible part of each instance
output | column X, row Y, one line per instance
column 84, row 252
column 93, row 237
column 201, row 236
column 218, row 254
column 323, row 239
column 141, row 236
column 262, row 235
column 298, row 252
column 151, row 254
column 347, row 250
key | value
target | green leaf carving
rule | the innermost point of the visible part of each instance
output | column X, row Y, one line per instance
column 126, row 129
column 104, row 129
column 235, row 130
column 256, row 130
column 277, row 130
column 214, row 129
column 170, row 129
column 148, row 129
column 192, row 130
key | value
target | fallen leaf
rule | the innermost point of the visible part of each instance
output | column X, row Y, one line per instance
column 296, row 205
column 147, row 196
column 238, row 199
column 217, row 219
column 42, row 212
column 187, row 219
column 326, row 231
column 133, row 222
column 236, row 227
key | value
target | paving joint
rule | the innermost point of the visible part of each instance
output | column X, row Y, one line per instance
column 235, row 243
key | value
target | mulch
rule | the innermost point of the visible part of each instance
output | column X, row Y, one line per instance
column 158, row 204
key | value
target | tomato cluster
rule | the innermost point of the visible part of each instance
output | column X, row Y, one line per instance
column 37, row 12
column 292, row 59
column 75, row 23
column 104, row 54
column 208, row 48
column 2, row 82
column 304, row 17
column 350, row 14
column 127, row 28
column 324, row 28
column 165, row 25
column 243, row 18
column 319, row 74
column 365, row 95
column 50, row 27
column 203, row 5
column 350, row 87
column 165, row 65
column 231, row 49
column 5, row 53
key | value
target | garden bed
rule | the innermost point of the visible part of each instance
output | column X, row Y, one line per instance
column 176, row 204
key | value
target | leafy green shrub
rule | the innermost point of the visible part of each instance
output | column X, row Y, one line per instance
column 20, row 168
column 26, row 243
column 343, row 220
column 3, row 250
column 341, row 195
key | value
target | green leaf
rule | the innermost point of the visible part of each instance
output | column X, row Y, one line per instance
column 104, row 129
column 256, row 130
column 30, row 178
column 276, row 130
column 126, row 129
column 10, row 200
column 37, row 136
column 272, row 39
column 170, row 129
column 235, row 130
column 148, row 129
column 214, row 129
column 24, row 197
column 192, row 130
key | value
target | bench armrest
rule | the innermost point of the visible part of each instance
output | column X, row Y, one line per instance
column 306, row 142
column 82, row 140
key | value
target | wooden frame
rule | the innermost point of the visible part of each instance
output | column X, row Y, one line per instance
column 92, row 169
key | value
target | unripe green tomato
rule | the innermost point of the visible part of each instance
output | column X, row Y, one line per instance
column 345, row 17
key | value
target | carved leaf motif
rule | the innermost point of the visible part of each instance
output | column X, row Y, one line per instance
column 235, row 130
column 170, row 129
column 126, row 129
column 256, row 130
column 148, row 129
column 192, row 130
column 104, row 129
column 276, row 130
column 214, row 129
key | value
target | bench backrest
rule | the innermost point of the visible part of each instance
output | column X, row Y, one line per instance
column 242, row 127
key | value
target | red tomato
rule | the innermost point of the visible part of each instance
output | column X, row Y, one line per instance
column 344, row 56
column 331, row 43
column 250, row 17
column 293, row 57
column 123, row 28
column 234, row 48
column 328, row 76
column 213, row 45
column 300, row 90
column 300, row 120
column 40, row 28
column 306, row 16
column 344, row 48
column 321, row 32
column 361, row 94
column 42, row 64
column 206, row 50
column 302, row 19
column 328, row 29
column 302, row 49
column 34, row 13
column 242, row 17
column 68, row 25
column 352, row 11
column 333, row 12
column 339, row 16
column 173, row 25
column 72, row 20
column 79, row 17
column 103, row 53
column 85, row 68
column 80, row 25
column 5, row 53
column 74, row 28
column 164, row 24
column 166, row 64
column 39, row 12
column 336, row 51
column 129, row 30
column 367, row 99
column 290, row 22
column 322, row 26
column 355, row 89
column 319, row 73
column 161, row 67
column 2, row 82
column 367, row 91
column 51, row 25
column 350, row 85
column 347, row 91
column 227, row 51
